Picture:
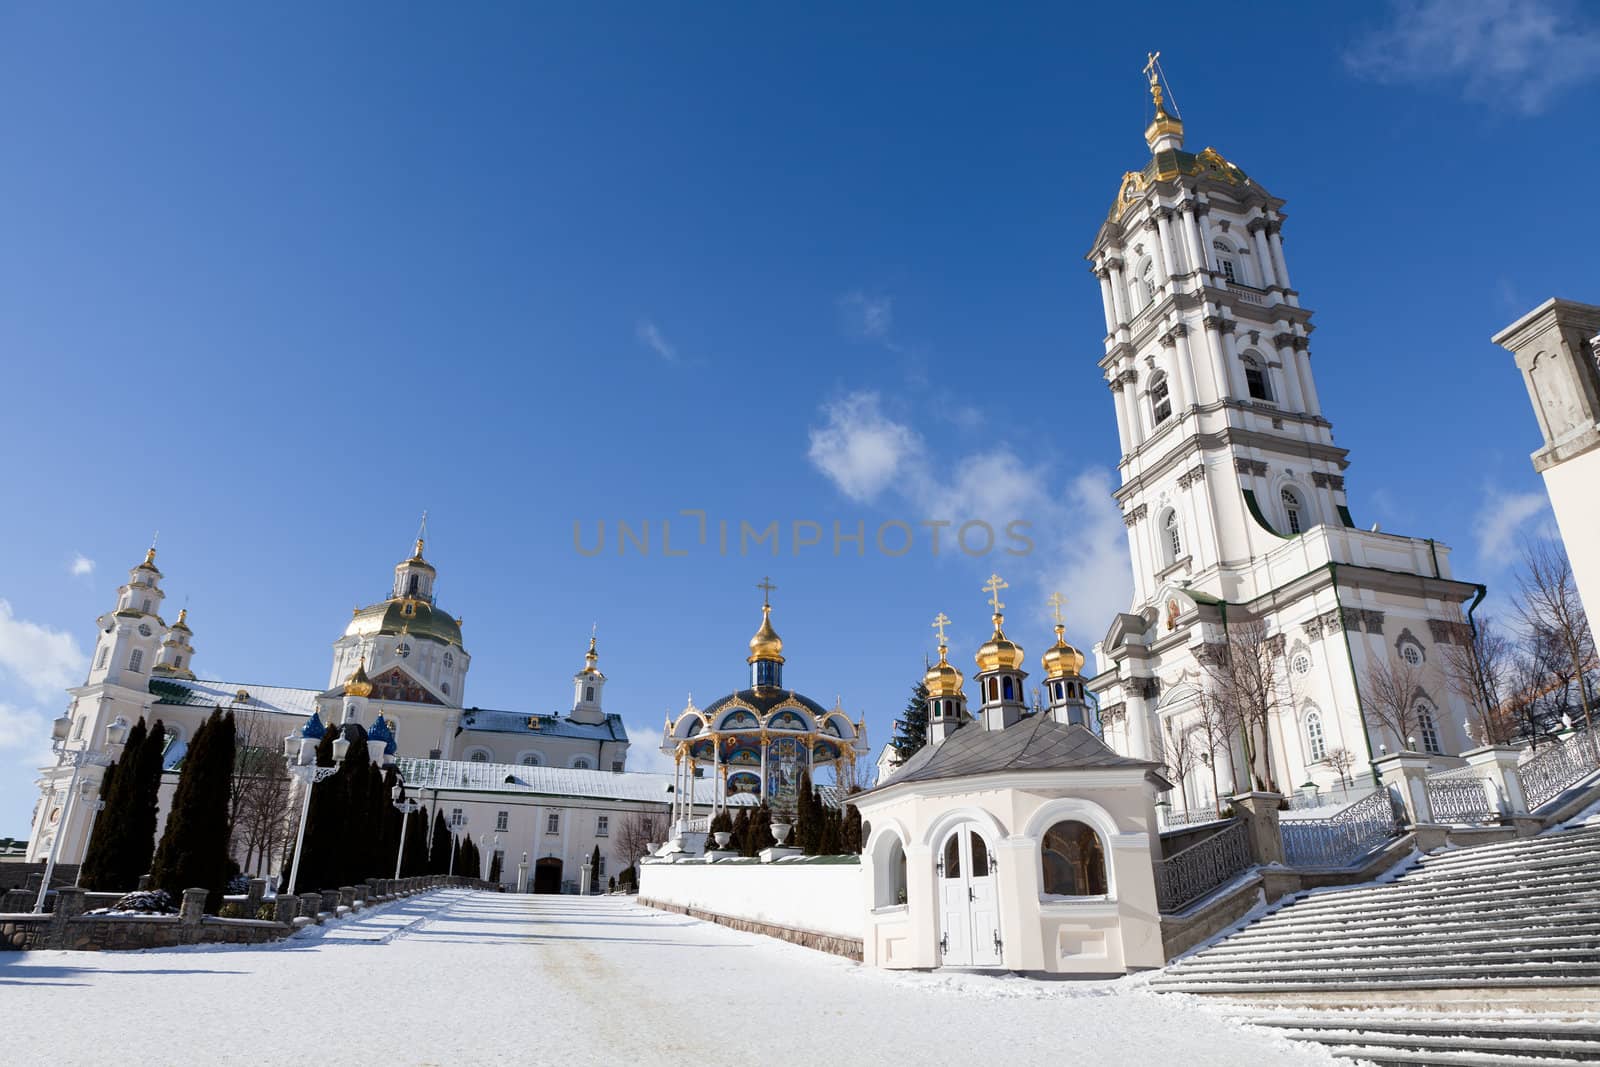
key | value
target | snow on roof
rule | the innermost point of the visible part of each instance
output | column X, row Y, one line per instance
column 549, row 781
column 276, row 699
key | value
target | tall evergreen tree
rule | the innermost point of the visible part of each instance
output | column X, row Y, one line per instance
column 99, row 859
column 850, row 842
column 388, row 848
column 743, row 837
column 594, row 870
column 194, row 847
column 807, row 828
column 140, row 848
column 761, row 828
column 319, row 846
column 415, row 861
column 355, row 832
column 494, row 868
column 439, row 851
column 911, row 729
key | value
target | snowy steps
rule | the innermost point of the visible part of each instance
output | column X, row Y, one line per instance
column 1482, row 955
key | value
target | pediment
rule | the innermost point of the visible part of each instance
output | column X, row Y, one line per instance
column 398, row 685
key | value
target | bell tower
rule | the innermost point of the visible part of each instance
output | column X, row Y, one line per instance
column 947, row 696
column 587, row 687
column 1000, row 673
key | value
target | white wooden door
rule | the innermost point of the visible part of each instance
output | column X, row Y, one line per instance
column 969, row 919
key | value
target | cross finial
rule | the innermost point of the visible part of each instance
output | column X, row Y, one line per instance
column 1150, row 65
column 993, row 587
column 766, row 587
column 940, row 621
column 1056, row 602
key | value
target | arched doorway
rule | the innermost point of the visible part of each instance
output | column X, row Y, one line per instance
column 969, row 920
column 547, row 875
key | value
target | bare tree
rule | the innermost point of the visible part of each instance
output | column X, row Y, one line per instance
column 1341, row 759
column 1390, row 692
column 638, row 831
column 1181, row 754
column 258, row 793
column 1547, row 599
column 1477, row 668
column 1214, row 731
column 1244, row 679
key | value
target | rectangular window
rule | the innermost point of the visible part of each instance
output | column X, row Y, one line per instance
column 552, row 824
column 1257, row 383
column 135, row 660
column 455, row 817
column 616, row 766
column 500, row 818
column 433, row 753
column 105, row 653
column 1227, row 269
column 602, row 826
column 601, row 873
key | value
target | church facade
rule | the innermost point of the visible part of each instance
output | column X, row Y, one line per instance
column 1233, row 493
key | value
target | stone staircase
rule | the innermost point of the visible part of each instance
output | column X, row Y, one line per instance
column 1483, row 955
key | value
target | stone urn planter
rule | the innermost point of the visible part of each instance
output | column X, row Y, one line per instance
column 780, row 831
column 723, row 837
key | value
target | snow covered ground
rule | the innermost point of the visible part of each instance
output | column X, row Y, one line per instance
column 460, row 977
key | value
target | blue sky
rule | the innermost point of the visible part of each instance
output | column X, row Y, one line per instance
column 274, row 281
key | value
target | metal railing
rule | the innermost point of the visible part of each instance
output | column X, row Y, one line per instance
column 702, row 825
column 1187, row 876
column 1340, row 840
column 1457, row 798
column 1173, row 820
column 1336, row 798
column 1556, row 768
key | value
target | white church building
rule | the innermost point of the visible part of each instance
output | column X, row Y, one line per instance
column 1233, row 492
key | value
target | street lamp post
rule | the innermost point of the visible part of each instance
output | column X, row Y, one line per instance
column 308, row 774
column 405, row 805
column 77, row 757
column 94, row 815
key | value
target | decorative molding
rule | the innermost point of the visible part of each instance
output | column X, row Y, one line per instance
column 1327, row 481
column 1283, row 340
column 1211, row 653
column 1190, row 476
column 1313, row 627
column 1167, row 340
column 1446, row 632
column 1180, row 330
column 1134, row 516
column 1113, row 713
column 1250, row 466
column 1373, row 620
column 1213, row 322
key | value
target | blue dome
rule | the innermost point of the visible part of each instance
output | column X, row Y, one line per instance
column 382, row 731
column 313, row 729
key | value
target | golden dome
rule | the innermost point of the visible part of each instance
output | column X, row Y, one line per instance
column 999, row 652
column 942, row 679
column 591, row 658
column 181, row 624
column 1061, row 659
column 416, row 560
column 358, row 684
column 766, row 644
column 1163, row 125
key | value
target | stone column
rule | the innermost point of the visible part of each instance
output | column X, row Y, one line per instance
column 1121, row 401
column 763, row 767
column 1152, row 226
column 1219, row 357
column 1130, row 379
column 310, row 909
column 1275, row 239
column 1291, row 373
column 1179, row 375
column 1191, row 236
column 1105, row 300
column 1498, row 763
column 1405, row 775
column 284, row 908
column 253, row 898
column 1237, row 386
column 1119, row 297
column 1168, row 251
column 1258, row 233
column 1260, row 813
column 1308, row 385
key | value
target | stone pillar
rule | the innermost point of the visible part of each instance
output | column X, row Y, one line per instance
column 191, row 913
column 253, row 898
column 1258, row 232
column 1124, row 437
column 1179, row 378
column 285, row 907
column 310, row 908
column 1153, row 226
column 1119, row 298
column 1275, row 239
column 1291, row 377
column 1191, row 237
column 330, row 901
column 1105, row 300
column 1498, row 763
column 1260, row 813
column 1405, row 775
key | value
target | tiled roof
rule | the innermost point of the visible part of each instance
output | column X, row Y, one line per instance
column 210, row 694
column 484, row 720
column 546, row 781
column 1036, row 744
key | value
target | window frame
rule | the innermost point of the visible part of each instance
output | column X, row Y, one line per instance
column 1104, row 853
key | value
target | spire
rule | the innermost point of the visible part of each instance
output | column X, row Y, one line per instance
column 591, row 658
column 1165, row 131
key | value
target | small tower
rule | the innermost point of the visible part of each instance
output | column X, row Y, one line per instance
column 176, row 658
column 766, row 647
column 947, row 695
column 413, row 578
column 587, row 686
column 357, row 688
column 1063, row 677
column 129, row 640
column 1000, row 673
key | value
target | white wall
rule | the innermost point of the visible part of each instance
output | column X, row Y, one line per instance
column 823, row 898
column 1571, row 486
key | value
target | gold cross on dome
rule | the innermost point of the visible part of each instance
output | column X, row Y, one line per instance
column 1150, row 65
column 1056, row 602
column 993, row 587
column 766, row 587
column 940, row 621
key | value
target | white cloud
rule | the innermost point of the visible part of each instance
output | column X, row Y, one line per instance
column 81, row 565
column 651, row 338
column 1502, row 517
column 859, row 448
column 1079, row 541
column 1519, row 54
column 45, row 661
column 644, row 751
column 22, row 728
column 867, row 317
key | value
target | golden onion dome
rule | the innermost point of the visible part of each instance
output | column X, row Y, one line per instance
column 1061, row 659
column 1163, row 125
column 591, row 659
column 766, row 644
column 999, row 652
column 943, row 680
column 181, row 624
column 358, row 684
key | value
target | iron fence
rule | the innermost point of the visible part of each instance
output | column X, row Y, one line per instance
column 1460, row 799
column 1339, row 840
column 1187, row 876
column 1555, row 768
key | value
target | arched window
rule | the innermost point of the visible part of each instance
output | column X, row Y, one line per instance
column 1160, row 399
column 1427, row 730
column 588, row 692
column 583, row 763
column 951, row 863
column 532, row 760
column 1316, row 744
column 1171, row 538
column 1074, row 861
column 994, row 689
column 1291, row 511
column 1255, row 378
column 411, row 588
column 890, row 873
column 480, row 756
column 1008, row 690
column 1147, row 284
column 1224, row 258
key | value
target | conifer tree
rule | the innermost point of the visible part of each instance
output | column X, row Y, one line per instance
column 439, row 851
column 761, row 829
column 911, row 729
column 320, row 844
column 722, row 823
column 806, row 831
column 494, row 869
column 850, row 843
column 827, row 841
column 140, row 847
column 415, row 860
column 102, row 866
column 357, row 825
column 743, row 835
column 594, row 870
column 388, row 848
column 194, row 846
